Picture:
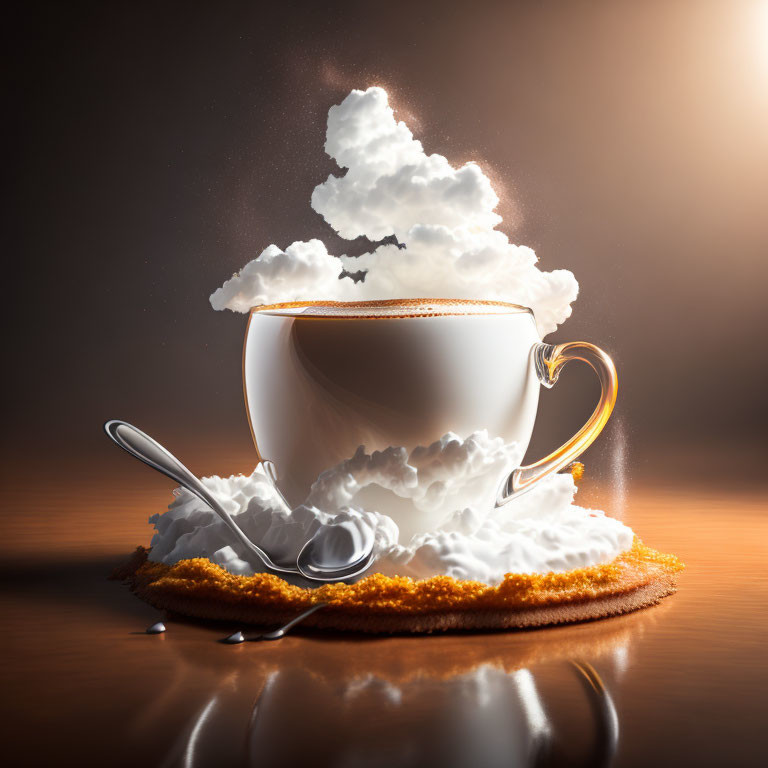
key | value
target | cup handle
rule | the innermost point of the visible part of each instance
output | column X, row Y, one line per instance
column 549, row 360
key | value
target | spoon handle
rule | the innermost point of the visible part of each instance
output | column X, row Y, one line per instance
column 148, row 450
column 303, row 615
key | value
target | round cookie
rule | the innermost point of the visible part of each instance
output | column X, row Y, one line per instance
column 638, row 578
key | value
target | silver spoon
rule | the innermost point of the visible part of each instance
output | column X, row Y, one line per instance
column 148, row 450
column 275, row 634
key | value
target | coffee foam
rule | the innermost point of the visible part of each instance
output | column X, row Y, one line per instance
column 396, row 308
column 442, row 219
column 440, row 516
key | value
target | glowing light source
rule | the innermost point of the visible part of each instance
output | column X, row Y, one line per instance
column 761, row 25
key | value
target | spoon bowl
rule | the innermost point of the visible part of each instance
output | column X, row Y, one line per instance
column 321, row 555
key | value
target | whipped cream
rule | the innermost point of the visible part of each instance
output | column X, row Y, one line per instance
column 442, row 219
column 430, row 512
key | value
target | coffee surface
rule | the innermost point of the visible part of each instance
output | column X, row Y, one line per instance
column 394, row 308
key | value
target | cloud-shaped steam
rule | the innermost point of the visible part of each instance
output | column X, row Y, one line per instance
column 391, row 186
column 443, row 215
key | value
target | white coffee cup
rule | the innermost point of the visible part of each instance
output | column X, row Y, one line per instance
column 322, row 378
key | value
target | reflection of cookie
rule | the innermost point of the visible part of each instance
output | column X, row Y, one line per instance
column 636, row 579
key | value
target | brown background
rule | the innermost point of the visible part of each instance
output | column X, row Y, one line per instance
column 155, row 150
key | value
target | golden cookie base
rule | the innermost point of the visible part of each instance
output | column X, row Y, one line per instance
column 637, row 578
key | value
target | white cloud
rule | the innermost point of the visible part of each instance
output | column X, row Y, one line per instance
column 302, row 270
column 430, row 511
column 391, row 185
column 444, row 215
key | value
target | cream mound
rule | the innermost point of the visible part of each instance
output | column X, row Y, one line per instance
column 440, row 516
column 434, row 226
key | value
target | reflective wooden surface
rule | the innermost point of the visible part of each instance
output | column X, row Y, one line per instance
column 84, row 685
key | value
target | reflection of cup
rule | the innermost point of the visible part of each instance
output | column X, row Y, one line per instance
column 299, row 701
column 322, row 378
column 486, row 716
